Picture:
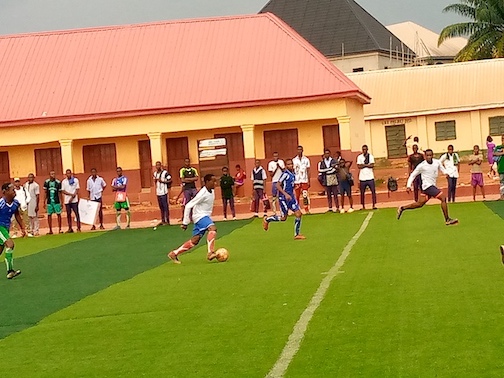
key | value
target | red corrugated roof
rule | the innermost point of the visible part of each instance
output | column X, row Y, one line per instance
column 161, row 67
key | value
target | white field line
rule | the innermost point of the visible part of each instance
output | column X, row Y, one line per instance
column 295, row 338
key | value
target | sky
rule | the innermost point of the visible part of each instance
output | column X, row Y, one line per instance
column 23, row 16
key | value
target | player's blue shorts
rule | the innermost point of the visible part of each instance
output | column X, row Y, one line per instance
column 285, row 205
column 432, row 192
column 274, row 190
column 202, row 225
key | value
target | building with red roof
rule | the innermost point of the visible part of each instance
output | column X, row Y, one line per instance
column 132, row 95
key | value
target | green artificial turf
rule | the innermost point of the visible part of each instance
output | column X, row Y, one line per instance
column 29, row 246
column 415, row 299
column 57, row 277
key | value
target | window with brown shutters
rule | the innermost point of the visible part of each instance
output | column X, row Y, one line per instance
column 445, row 130
column 496, row 125
column 284, row 142
column 47, row 160
column 235, row 149
column 100, row 156
column 144, row 154
column 4, row 167
column 177, row 150
column 331, row 137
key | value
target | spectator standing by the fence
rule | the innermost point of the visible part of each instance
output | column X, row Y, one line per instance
column 475, row 161
column 450, row 161
column 258, row 177
column 329, row 167
column 302, row 183
column 227, row 189
column 33, row 190
column 366, row 162
column 162, row 181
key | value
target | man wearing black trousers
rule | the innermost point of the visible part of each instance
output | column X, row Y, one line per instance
column 162, row 181
column 365, row 163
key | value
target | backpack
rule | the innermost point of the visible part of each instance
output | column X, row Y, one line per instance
column 164, row 175
column 392, row 184
column 169, row 183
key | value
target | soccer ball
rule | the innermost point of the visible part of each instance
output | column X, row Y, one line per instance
column 222, row 254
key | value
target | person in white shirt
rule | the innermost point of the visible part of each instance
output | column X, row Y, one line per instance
column 365, row 162
column 201, row 207
column 162, row 181
column 450, row 161
column 23, row 197
column 33, row 190
column 275, row 169
column 302, row 182
column 95, row 185
column 70, row 189
column 428, row 170
column 408, row 143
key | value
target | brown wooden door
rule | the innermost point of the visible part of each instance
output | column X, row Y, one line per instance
column 395, row 141
column 178, row 150
column 235, row 150
column 47, row 160
column 284, row 142
column 331, row 137
column 144, row 152
column 4, row 167
column 103, row 157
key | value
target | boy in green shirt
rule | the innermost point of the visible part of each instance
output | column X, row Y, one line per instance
column 227, row 184
column 499, row 151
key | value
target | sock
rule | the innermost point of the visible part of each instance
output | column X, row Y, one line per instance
column 297, row 226
column 128, row 218
column 184, row 247
column 273, row 218
column 118, row 218
column 211, row 240
column 9, row 259
column 273, row 204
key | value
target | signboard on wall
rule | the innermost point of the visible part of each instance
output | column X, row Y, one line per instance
column 212, row 156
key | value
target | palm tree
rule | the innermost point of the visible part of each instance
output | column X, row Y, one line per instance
column 485, row 30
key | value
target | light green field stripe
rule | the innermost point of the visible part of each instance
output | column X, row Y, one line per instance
column 417, row 299
column 296, row 337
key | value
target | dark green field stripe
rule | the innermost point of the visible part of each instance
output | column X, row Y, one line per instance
column 58, row 277
column 497, row 207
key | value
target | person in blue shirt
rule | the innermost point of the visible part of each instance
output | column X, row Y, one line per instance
column 287, row 201
column 9, row 207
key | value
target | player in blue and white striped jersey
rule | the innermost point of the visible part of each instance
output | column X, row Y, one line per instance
column 287, row 201
column 9, row 207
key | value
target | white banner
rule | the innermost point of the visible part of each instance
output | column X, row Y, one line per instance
column 212, row 153
column 88, row 211
column 206, row 143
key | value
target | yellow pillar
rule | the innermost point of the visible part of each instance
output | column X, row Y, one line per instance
column 422, row 132
column 249, row 151
column 477, row 134
column 345, row 135
column 156, row 147
column 67, row 154
column 248, row 141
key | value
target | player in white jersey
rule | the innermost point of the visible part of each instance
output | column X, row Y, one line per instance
column 201, row 206
column 429, row 170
